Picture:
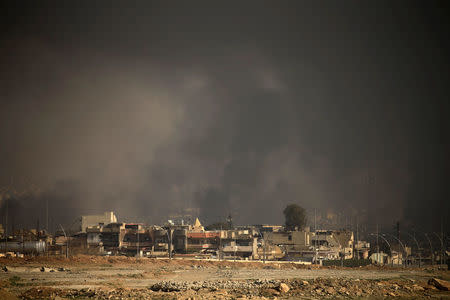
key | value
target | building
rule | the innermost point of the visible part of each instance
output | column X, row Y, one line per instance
column 345, row 239
column 396, row 258
column 137, row 240
column 107, row 238
column 269, row 228
column 160, row 237
column 362, row 249
column 334, row 244
column 202, row 241
column 197, row 239
column 238, row 243
column 379, row 258
column 292, row 243
column 266, row 251
column 94, row 220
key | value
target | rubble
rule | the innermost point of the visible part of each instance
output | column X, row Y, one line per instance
column 319, row 287
column 45, row 269
column 440, row 284
column 283, row 288
column 324, row 288
column 131, row 278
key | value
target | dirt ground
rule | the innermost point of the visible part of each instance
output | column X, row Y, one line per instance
column 94, row 277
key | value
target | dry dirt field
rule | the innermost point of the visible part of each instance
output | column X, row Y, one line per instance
column 86, row 277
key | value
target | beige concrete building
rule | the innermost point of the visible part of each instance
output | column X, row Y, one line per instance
column 289, row 241
column 94, row 220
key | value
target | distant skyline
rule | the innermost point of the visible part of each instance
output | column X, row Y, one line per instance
column 150, row 108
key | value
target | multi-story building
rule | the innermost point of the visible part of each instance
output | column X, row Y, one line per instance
column 292, row 243
column 239, row 243
column 333, row 244
column 94, row 220
column 105, row 238
column 137, row 239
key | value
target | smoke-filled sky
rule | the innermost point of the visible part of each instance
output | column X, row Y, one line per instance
column 233, row 107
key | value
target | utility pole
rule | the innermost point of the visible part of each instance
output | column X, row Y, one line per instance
column 404, row 248
column 169, row 237
column 431, row 248
column 315, row 237
column 235, row 248
column 341, row 254
column 12, row 226
column 442, row 243
column 418, row 247
column 264, row 250
column 378, row 246
column 171, row 242
column 137, row 248
column 6, row 224
column 389, row 245
column 398, row 235
column 314, row 220
column 220, row 242
column 357, row 238
column 67, row 241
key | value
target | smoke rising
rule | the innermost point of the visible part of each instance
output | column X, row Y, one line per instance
column 229, row 112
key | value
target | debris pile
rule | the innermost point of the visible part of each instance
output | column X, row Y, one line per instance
column 319, row 287
column 440, row 284
column 323, row 288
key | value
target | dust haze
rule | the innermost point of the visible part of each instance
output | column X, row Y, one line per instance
column 148, row 111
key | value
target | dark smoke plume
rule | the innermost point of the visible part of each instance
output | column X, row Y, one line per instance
column 153, row 110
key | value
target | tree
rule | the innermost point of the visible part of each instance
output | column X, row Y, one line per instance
column 295, row 217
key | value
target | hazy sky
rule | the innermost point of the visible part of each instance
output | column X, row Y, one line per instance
column 234, row 108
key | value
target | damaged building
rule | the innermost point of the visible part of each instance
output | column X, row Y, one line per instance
column 94, row 220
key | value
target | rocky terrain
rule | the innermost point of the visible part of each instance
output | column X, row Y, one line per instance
column 129, row 278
